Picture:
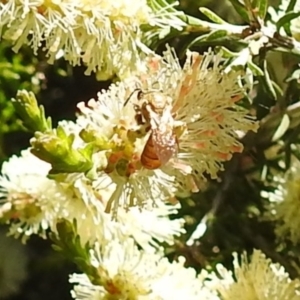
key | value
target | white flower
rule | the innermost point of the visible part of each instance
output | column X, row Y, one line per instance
column 13, row 263
column 283, row 204
column 126, row 273
column 148, row 227
column 195, row 131
column 28, row 199
column 151, row 226
column 259, row 279
column 105, row 35
column 33, row 203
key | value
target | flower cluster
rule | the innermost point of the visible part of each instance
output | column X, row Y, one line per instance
column 126, row 273
column 104, row 35
column 105, row 185
column 152, row 135
column 33, row 203
column 160, row 131
column 283, row 204
column 258, row 279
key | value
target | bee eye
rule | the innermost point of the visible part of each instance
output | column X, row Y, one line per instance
column 140, row 94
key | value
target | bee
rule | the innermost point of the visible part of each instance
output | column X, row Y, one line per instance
column 155, row 110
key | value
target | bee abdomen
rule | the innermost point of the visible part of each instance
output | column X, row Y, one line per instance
column 149, row 158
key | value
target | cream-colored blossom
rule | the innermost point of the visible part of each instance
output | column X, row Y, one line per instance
column 151, row 225
column 127, row 273
column 148, row 227
column 283, row 204
column 105, row 35
column 33, row 203
column 258, row 279
column 89, row 207
column 29, row 201
column 201, row 121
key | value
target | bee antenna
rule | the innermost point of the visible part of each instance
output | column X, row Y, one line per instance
column 148, row 92
column 135, row 90
column 140, row 94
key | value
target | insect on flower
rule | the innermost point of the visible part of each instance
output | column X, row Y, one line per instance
column 155, row 112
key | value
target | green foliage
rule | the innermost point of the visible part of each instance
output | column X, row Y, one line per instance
column 33, row 116
column 56, row 147
column 17, row 72
column 67, row 242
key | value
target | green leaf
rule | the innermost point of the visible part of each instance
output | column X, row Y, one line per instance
column 212, row 16
column 10, row 74
column 225, row 52
column 56, row 148
column 295, row 76
column 257, row 71
column 277, row 88
column 297, row 154
column 291, row 5
column 157, row 5
column 67, row 241
column 5, row 65
column 282, row 128
column 264, row 173
column 197, row 41
column 267, row 81
column 215, row 35
column 241, row 10
column 260, row 7
column 288, row 156
column 286, row 19
column 68, row 238
column 240, row 61
column 32, row 115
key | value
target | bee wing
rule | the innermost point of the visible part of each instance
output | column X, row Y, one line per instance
column 165, row 144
